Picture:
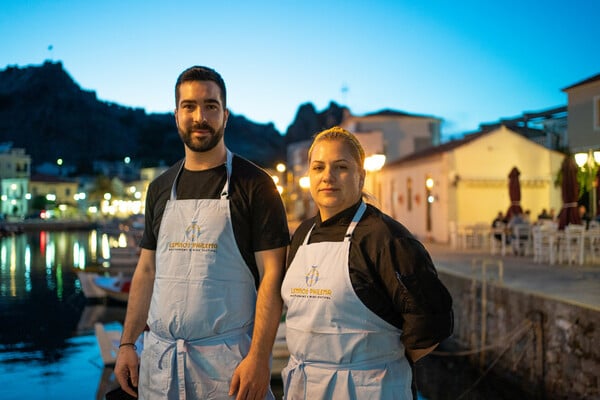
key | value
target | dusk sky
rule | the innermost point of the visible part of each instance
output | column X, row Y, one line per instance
column 467, row 62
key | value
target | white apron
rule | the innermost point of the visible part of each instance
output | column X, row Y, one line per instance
column 339, row 349
column 202, row 310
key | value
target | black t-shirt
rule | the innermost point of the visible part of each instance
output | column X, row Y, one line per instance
column 257, row 212
column 391, row 273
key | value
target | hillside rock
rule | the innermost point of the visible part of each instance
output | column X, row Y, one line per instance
column 43, row 110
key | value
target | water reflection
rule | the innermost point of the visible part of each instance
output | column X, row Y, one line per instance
column 40, row 296
column 47, row 346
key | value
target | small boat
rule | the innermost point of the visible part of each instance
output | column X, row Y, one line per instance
column 90, row 290
column 115, row 287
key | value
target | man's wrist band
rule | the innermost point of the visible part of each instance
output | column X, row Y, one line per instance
column 128, row 344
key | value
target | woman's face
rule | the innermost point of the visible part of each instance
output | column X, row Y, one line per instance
column 336, row 179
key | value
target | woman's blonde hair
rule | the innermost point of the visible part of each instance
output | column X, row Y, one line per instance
column 338, row 133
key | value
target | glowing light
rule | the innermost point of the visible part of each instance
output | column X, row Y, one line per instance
column 374, row 162
column 304, row 182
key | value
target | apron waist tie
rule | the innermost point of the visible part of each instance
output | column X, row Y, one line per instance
column 181, row 348
column 296, row 365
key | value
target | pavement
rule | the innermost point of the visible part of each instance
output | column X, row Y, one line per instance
column 576, row 284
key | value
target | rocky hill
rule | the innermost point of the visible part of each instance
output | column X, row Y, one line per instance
column 43, row 110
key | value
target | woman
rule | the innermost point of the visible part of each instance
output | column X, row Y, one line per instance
column 362, row 295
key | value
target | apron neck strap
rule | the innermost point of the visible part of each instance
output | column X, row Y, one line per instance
column 357, row 216
column 224, row 191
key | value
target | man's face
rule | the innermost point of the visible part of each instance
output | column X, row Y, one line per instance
column 200, row 115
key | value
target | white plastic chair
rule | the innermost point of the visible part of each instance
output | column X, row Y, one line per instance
column 592, row 237
column 544, row 238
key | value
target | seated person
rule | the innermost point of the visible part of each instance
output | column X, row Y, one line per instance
column 519, row 228
column 498, row 222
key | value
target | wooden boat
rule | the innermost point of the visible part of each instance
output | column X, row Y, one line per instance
column 115, row 287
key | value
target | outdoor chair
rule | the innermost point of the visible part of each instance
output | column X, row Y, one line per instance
column 572, row 247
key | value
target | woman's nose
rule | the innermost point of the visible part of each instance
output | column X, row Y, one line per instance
column 328, row 174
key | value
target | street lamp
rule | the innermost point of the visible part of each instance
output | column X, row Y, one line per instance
column 589, row 162
column 304, row 183
column 373, row 164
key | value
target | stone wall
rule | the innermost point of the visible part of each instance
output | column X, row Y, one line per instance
column 548, row 347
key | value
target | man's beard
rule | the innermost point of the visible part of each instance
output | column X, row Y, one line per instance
column 203, row 144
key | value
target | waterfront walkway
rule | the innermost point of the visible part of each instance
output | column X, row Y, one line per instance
column 575, row 284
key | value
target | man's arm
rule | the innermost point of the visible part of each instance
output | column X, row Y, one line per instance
column 252, row 376
column 135, row 320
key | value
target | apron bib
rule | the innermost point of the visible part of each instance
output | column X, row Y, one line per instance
column 202, row 309
column 339, row 349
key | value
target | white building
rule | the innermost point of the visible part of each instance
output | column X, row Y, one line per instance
column 468, row 182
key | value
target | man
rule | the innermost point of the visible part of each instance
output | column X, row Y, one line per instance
column 215, row 231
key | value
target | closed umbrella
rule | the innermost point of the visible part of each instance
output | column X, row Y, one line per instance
column 514, row 192
column 569, row 214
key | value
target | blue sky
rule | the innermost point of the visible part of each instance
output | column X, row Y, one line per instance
column 467, row 62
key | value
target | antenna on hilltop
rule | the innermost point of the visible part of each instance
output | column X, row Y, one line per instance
column 50, row 47
column 344, row 90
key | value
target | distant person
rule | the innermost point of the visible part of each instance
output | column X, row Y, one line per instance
column 584, row 215
column 544, row 215
column 213, row 221
column 518, row 226
column 498, row 223
column 363, row 298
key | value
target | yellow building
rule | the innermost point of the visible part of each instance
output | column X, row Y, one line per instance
column 466, row 182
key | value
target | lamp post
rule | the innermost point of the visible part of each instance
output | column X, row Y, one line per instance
column 589, row 163
column 304, row 183
column 373, row 164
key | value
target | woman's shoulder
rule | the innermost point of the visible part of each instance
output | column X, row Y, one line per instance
column 381, row 224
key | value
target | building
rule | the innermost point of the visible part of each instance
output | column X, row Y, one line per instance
column 402, row 133
column 584, row 114
column 54, row 194
column 584, row 138
column 466, row 182
column 15, row 169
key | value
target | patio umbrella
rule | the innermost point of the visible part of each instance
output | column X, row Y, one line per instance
column 514, row 192
column 570, row 194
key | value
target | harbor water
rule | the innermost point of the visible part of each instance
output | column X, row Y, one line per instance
column 48, row 349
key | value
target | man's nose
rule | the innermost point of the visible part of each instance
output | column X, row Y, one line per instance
column 198, row 115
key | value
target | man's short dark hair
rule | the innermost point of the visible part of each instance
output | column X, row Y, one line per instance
column 198, row 73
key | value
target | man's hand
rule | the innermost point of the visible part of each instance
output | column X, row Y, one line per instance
column 251, row 379
column 126, row 368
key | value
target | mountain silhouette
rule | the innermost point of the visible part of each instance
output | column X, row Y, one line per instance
column 44, row 111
